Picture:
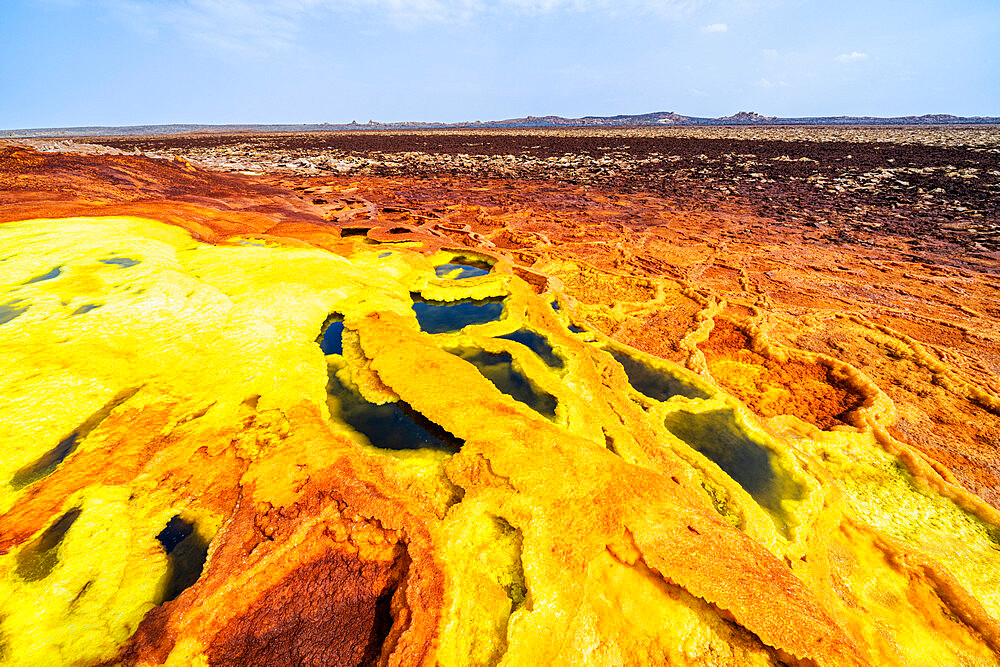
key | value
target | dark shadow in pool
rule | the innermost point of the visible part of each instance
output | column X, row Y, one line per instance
column 36, row 560
column 499, row 369
column 331, row 341
column 717, row 436
column 654, row 382
column 187, row 552
column 538, row 344
column 390, row 426
column 449, row 316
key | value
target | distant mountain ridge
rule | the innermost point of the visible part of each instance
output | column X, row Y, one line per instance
column 655, row 119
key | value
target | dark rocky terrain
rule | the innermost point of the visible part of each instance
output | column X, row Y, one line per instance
column 924, row 183
column 655, row 119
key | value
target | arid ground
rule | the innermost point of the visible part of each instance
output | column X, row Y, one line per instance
column 740, row 405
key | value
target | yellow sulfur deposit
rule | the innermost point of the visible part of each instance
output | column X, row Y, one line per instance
column 259, row 451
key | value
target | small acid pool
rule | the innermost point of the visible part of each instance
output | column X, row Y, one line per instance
column 450, row 316
column 186, row 552
column 12, row 310
column 718, row 437
column 47, row 463
column 499, row 369
column 49, row 275
column 391, row 426
column 121, row 262
column 461, row 269
column 37, row 560
column 653, row 382
column 538, row 344
column 331, row 341
column 85, row 308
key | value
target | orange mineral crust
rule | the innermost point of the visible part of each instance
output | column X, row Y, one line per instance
column 329, row 420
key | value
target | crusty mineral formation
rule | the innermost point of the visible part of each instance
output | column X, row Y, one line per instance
column 331, row 421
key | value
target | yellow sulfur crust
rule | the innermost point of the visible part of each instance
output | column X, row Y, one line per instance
column 159, row 381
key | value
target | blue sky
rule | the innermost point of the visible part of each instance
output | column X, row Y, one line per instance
column 126, row 62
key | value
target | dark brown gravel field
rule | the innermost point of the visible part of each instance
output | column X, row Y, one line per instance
column 939, row 183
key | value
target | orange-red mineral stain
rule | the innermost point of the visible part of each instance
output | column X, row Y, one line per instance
column 593, row 534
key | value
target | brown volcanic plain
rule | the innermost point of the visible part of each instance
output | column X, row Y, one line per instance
column 762, row 427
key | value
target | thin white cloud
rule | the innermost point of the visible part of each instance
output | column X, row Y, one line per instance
column 263, row 27
column 769, row 53
column 852, row 57
column 768, row 84
column 246, row 27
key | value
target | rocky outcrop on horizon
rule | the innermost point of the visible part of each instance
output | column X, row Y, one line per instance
column 658, row 118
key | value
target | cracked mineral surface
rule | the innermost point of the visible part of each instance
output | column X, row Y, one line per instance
column 426, row 411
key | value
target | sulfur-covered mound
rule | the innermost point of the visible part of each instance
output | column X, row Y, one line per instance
column 236, row 433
